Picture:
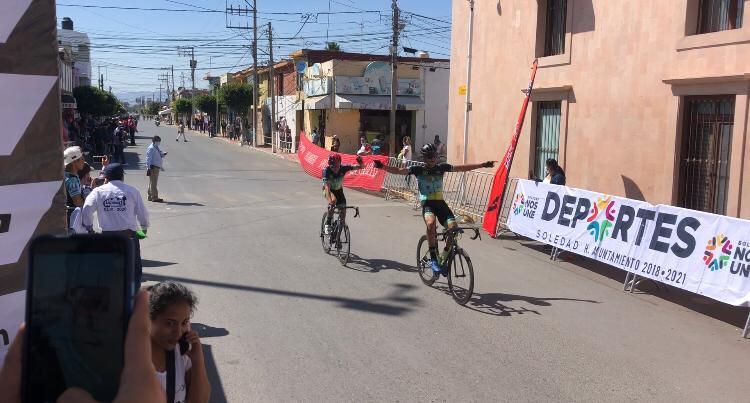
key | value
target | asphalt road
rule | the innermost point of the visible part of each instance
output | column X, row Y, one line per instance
column 282, row 321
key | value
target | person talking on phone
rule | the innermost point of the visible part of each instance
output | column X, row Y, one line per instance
column 154, row 165
column 176, row 349
column 120, row 209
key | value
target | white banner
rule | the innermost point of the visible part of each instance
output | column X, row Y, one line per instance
column 12, row 307
column 703, row 253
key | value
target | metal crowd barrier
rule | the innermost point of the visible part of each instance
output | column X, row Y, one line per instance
column 465, row 192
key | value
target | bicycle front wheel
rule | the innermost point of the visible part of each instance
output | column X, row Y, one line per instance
column 325, row 239
column 424, row 264
column 343, row 246
column 461, row 278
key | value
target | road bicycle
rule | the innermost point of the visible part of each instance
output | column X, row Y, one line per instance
column 457, row 263
column 338, row 237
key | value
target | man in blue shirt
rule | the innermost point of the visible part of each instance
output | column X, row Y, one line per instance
column 154, row 164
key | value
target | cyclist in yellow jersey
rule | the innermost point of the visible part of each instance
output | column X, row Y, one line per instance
column 430, row 184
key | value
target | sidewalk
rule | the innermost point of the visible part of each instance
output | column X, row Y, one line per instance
column 264, row 149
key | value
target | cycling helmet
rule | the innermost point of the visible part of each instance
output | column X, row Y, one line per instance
column 428, row 150
column 335, row 157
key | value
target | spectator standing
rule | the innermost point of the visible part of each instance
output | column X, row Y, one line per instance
column 335, row 144
column 365, row 148
column 405, row 153
column 154, row 164
column 73, row 160
column 554, row 175
column 176, row 349
column 120, row 210
column 119, row 141
column 440, row 147
column 315, row 137
column 224, row 128
column 181, row 132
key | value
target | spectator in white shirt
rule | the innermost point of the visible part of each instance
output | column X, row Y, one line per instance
column 154, row 165
column 120, row 210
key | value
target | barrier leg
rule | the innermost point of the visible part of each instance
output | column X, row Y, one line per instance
column 747, row 327
column 627, row 281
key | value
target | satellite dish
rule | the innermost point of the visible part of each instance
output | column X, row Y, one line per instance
column 301, row 66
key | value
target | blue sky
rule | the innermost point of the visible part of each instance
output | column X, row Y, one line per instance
column 132, row 45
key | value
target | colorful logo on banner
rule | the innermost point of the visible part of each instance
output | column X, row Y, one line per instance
column 599, row 227
column 519, row 204
column 718, row 252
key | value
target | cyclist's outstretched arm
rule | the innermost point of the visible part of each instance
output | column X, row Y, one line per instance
column 390, row 169
column 471, row 167
column 360, row 163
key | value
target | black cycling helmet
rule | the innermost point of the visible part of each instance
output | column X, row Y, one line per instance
column 428, row 150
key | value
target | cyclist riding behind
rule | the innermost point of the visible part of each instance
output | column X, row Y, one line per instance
column 430, row 184
column 333, row 186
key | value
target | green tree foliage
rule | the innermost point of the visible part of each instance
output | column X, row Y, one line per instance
column 93, row 101
column 333, row 47
column 206, row 103
column 153, row 108
column 182, row 106
column 237, row 96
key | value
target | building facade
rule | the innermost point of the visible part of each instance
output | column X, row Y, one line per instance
column 79, row 47
column 642, row 99
column 348, row 95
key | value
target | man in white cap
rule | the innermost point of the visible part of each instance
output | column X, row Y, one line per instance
column 73, row 161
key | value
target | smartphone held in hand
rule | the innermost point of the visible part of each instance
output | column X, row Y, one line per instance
column 78, row 302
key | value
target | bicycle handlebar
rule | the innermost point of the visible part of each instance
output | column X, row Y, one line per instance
column 460, row 230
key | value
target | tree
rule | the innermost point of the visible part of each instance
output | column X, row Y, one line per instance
column 206, row 104
column 93, row 101
column 238, row 98
column 333, row 47
column 153, row 108
column 182, row 106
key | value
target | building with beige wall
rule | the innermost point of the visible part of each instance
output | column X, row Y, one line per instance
column 643, row 99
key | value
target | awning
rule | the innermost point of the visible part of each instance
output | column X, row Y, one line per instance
column 68, row 101
column 165, row 112
column 380, row 103
column 319, row 102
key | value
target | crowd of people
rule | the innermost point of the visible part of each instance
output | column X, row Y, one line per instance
column 100, row 136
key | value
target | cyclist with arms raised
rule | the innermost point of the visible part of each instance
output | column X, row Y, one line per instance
column 430, row 184
column 333, row 186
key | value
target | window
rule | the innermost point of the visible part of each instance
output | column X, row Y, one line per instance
column 719, row 15
column 706, row 147
column 547, row 135
column 554, row 27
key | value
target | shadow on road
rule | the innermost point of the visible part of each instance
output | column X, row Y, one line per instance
column 208, row 331
column 186, row 204
column 387, row 307
column 155, row 263
column 212, row 370
column 493, row 303
column 359, row 263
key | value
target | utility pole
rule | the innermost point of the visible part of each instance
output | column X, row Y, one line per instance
column 244, row 12
column 394, row 77
column 173, row 89
column 255, row 72
column 183, row 51
column 159, row 91
column 271, row 89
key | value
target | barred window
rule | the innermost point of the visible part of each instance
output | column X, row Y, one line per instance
column 554, row 29
column 706, row 148
column 547, row 135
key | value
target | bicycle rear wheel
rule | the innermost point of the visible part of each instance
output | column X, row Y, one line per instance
column 461, row 278
column 325, row 240
column 424, row 265
column 343, row 246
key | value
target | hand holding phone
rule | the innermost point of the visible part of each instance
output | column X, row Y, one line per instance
column 78, row 302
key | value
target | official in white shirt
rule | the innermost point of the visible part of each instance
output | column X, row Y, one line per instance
column 120, row 210
column 154, row 165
